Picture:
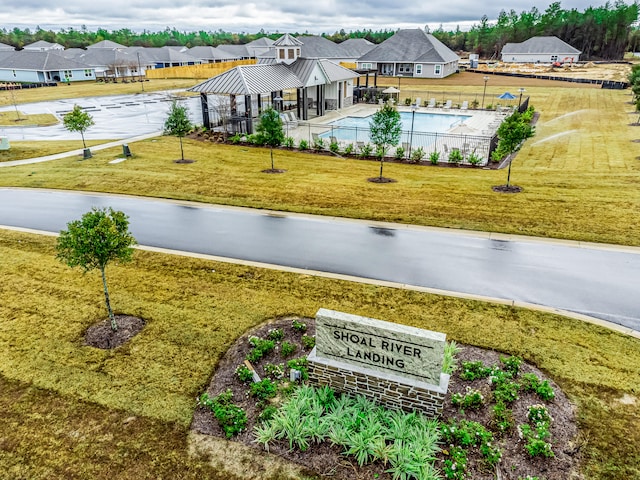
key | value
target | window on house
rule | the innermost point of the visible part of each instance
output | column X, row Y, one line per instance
column 68, row 74
column 366, row 66
column 298, row 51
column 437, row 70
column 292, row 53
column 281, row 51
column 418, row 69
column 554, row 58
column 87, row 73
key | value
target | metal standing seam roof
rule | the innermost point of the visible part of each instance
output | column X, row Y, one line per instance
column 410, row 46
column 287, row 40
column 250, row 80
column 540, row 45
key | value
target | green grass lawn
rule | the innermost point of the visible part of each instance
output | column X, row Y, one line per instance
column 59, row 392
column 579, row 175
column 76, row 412
column 21, row 150
column 13, row 118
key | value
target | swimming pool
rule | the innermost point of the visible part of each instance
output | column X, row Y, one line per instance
column 357, row 128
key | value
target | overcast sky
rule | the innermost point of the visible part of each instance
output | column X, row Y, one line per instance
column 323, row 16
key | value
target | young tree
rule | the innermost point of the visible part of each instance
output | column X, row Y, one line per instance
column 101, row 236
column 270, row 130
column 512, row 132
column 385, row 129
column 178, row 123
column 77, row 120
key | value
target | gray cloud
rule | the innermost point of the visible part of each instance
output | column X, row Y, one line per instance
column 282, row 15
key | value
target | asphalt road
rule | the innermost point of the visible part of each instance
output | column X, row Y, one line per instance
column 598, row 282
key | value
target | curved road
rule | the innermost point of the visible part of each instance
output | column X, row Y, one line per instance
column 598, row 281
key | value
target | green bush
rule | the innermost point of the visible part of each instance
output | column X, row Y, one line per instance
column 274, row 371
column 244, row 373
column 334, row 147
column 349, row 149
column 455, row 464
column 301, row 365
column 303, row 145
column 287, row 349
column 308, row 342
column 298, row 326
column 231, row 418
column 289, row 142
column 434, row 157
column 474, row 159
column 511, row 364
column 235, row 139
column 400, row 153
column 263, row 390
column 261, row 347
column 275, row 334
column 474, row 370
column 531, row 383
column 366, row 150
column 417, row 154
column 455, row 157
column 471, row 399
column 318, row 144
column 502, row 418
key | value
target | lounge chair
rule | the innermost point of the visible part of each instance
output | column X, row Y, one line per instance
column 293, row 120
column 447, row 105
column 465, row 105
column 333, row 139
column 432, row 103
column 418, row 102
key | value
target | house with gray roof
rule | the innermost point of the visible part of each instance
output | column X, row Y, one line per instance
column 42, row 46
column 111, row 63
column 4, row 47
column 38, row 67
column 107, row 44
column 208, row 54
column 356, row 47
column 540, row 50
column 411, row 53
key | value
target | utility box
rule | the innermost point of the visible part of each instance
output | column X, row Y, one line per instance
column 473, row 60
column 4, row 143
column 126, row 151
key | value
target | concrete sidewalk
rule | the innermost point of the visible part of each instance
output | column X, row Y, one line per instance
column 79, row 151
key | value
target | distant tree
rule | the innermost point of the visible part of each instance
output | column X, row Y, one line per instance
column 269, row 130
column 178, row 123
column 101, row 236
column 385, row 129
column 77, row 120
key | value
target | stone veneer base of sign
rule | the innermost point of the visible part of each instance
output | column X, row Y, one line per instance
column 390, row 390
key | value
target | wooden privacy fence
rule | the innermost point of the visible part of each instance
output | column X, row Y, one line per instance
column 202, row 71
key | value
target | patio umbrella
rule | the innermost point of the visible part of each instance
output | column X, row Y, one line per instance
column 507, row 96
column 392, row 90
column 463, row 129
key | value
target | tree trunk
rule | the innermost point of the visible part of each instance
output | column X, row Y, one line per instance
column 381, row 164
column 112, row 318
column 181, row 150
column 83, row 144
column 271, row 150
column 509, row 173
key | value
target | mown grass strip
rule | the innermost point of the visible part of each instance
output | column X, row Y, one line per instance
column 195, row 310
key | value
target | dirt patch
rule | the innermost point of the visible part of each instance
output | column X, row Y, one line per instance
column 102, row 336
column 328, row 462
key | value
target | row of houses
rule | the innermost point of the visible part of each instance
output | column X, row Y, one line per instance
column 409, row 52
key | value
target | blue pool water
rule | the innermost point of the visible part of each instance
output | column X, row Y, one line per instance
column 357, row 128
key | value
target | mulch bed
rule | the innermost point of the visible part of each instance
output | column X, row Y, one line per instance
column 381, row 180
column 186, row 160
column 273, row 170
column 102, row 336
column 328, row 462
column 507, row 189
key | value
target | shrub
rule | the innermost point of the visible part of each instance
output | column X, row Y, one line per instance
column 474, row 104
column 502, row 418
column 308, row 342
column 506, row 392
column 531, row 383
column 298, row 326
column 303, row 145
column 287, row 349
column 471, row 399
column 400, row 153
column 474, row 159
column 235, row 139
column 349, row 149
column 539, row 415
column 417, row 154
column 244, row 373
column 379, row 152
column 260, row 348
column 289, row 142
column 407, row 101
column 275, row 334
column 474, row 370
column 455, row 157
column 318, row 144
column 456, row 463
column 434, row 157
column 511, row 364
column 231, row 418
column 273, row 370
column 263, row 390
column 365, row 150
column 334, row 147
